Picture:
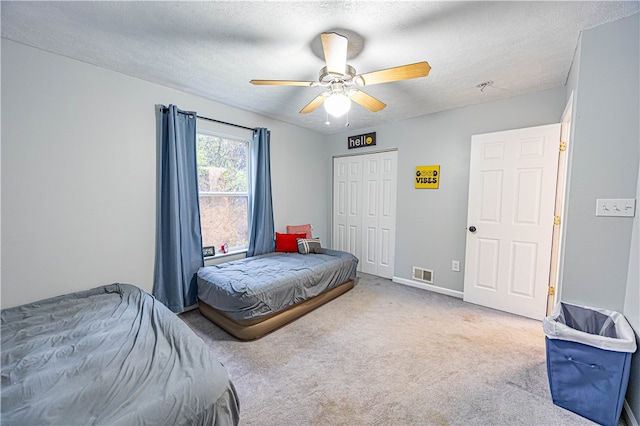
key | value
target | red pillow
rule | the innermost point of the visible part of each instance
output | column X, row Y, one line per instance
column 288, row 242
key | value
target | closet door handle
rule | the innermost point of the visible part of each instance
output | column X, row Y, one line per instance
column 472, row 229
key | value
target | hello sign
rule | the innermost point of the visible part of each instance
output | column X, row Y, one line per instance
column 367, row 139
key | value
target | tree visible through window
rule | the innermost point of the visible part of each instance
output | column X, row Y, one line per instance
column 223, row 185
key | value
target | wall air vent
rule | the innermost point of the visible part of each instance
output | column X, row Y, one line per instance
column 422, row 274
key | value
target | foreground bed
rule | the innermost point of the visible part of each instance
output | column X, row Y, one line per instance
column 250, row 297
column 111, row 355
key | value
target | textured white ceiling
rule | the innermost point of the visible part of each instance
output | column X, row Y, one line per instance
column 212, row 49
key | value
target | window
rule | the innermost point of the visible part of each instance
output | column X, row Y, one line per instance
column 223, row 186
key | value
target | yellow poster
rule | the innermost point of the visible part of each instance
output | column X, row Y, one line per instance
column 427, row 176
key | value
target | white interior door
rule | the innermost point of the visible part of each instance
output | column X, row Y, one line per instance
column 512, row 184
column 364, row 210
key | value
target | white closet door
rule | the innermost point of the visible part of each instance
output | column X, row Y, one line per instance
column 365, row 210
column 370, row 214
column 339, row 204
column 387, row 213
column 347, row 204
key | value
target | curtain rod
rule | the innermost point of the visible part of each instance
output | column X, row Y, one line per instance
column 216, row 121
column 223, row 122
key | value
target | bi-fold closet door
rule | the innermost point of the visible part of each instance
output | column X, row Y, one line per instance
column 364, row 209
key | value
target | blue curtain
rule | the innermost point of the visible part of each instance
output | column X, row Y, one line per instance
column 261, row 226
column 179, row 238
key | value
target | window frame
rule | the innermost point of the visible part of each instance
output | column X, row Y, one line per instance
column 247, row 141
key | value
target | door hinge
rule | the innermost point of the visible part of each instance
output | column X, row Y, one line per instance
column 556, row 220
column 552, row 291
column 563, row 146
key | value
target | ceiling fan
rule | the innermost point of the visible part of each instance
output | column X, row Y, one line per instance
column 341, row 78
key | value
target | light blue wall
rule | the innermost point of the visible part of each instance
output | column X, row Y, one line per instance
column 601, row 254
column 604, row 164
column 431, row 223
column 79, row 173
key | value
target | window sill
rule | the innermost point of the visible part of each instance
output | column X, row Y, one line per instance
column 225, row 257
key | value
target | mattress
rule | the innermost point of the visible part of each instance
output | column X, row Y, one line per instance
column 110, row 355
column 260, row 286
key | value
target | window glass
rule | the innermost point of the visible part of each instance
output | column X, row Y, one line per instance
column 223, row 185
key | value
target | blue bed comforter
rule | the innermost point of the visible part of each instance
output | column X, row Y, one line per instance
column 111, row 355
column 262, row 285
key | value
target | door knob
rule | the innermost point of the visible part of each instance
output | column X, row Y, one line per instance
column 472, row 229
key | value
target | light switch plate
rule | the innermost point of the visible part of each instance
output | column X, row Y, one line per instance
column 619, row 207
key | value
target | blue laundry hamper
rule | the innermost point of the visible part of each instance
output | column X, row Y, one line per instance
column 588, row 360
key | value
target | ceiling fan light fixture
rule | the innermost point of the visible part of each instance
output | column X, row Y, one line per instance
column 340, row 77
column 337, row 104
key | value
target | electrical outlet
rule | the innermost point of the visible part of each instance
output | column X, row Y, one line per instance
column 455, row 265
column 621, row 207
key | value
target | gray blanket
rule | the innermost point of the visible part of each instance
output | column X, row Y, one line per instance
column 261, row 285
column 111, row 355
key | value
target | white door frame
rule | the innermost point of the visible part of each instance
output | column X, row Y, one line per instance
column 557, row 249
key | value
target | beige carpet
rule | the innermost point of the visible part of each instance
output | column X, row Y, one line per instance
column 388, row 354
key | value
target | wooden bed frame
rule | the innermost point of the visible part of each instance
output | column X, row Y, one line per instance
column 258, row 327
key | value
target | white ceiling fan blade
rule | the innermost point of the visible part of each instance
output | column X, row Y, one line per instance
column 335, row 52
column 403, row 72
column 282, row 83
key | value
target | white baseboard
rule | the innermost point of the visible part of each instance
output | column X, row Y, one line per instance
column 429, row 287
column 629, row 417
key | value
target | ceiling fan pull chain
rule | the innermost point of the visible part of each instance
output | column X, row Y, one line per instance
column 327, row 120
column 347, row 121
